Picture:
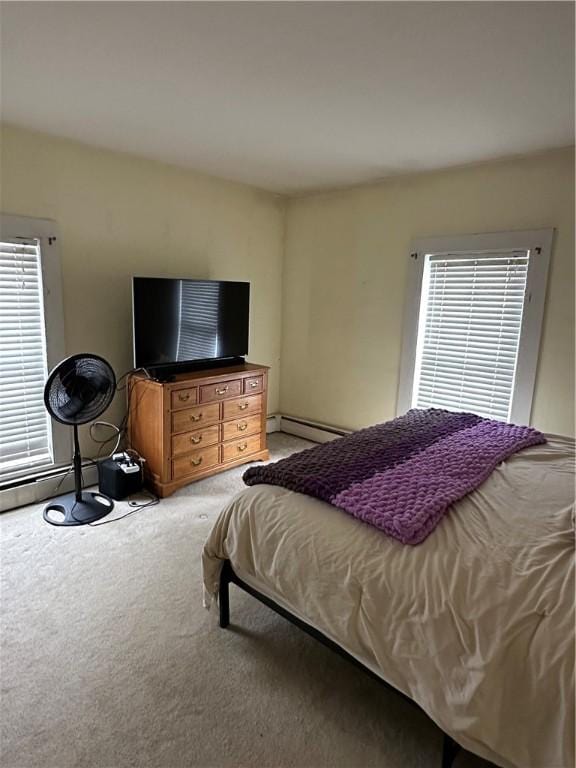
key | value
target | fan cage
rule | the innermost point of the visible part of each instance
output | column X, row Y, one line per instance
column 79, row 389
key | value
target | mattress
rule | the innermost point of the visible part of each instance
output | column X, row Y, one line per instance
column 476, row 624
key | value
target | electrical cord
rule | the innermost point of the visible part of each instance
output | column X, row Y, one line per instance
column 54, row 492
column 129, row 387
column 117, row 435
column 119, row 431
column 120, row 387
column 152, row 501
column 136, row 506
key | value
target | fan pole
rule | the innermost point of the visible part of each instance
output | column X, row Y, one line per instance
column 77, row 465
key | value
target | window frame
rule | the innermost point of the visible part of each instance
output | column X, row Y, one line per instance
column 46, row 232
column 539, row 243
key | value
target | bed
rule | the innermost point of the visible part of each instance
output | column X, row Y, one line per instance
column 475, row 624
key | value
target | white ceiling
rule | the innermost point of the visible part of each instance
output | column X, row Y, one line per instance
column 294, row 96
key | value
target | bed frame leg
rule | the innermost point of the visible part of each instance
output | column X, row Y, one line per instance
column 449, row 751
column 223, row 597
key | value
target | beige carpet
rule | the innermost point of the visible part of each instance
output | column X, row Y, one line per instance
column 109, row 659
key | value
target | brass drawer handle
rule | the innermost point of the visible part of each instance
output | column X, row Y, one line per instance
column 195, row 440
column 221, row 391
column 243, row 447
column 195, row 418
column 183, row 396
column 243, row 406
column 196, row 462
column 242, row 427
column 253, row 384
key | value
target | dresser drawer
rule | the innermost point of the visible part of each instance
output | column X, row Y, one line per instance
column 194, row 418
column 195, row 462
column 190, row 441
column 242, row 406
column 253, row 385
column 241, row 427
column 184, row 398
column 220, row 391
column 240, row 448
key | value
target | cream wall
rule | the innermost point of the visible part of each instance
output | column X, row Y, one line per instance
column 328, row 270
column 119, row 215
column 346, row 257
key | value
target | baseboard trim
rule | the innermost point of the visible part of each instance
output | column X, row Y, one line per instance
column 39, row 489
column 311, row 430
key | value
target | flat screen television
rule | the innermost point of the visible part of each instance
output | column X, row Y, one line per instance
column 186, row 324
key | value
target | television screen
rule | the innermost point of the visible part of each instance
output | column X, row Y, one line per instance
column 179, row 321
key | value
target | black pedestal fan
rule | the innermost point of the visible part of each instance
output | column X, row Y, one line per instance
column 78, row 390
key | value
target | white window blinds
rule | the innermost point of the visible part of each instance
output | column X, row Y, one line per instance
column 25, row 430
column 469, row 332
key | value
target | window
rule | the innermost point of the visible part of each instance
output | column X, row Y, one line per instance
column 25, row 437
column 472, row 332
column 31, row 342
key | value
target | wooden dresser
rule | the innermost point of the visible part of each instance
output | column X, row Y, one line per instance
column 198, row 424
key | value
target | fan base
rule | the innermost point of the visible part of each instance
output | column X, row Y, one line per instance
column 65, row 510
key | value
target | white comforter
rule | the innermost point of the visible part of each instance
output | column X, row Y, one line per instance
column 476, row 624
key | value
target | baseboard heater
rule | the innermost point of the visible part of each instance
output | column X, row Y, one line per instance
column 43, row 486
column 311, row 430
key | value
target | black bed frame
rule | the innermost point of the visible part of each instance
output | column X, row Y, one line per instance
column 450, row 748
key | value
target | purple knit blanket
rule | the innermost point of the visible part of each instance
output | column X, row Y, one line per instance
column 401, row 476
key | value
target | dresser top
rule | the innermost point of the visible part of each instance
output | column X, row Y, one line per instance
column 208, row 373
